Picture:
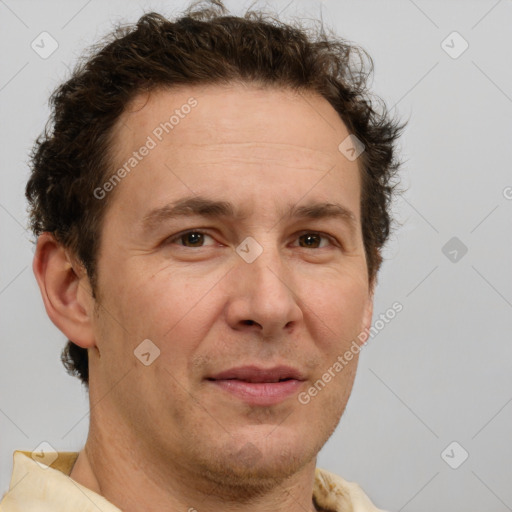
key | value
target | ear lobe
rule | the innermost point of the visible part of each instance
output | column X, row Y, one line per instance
column 59, row 284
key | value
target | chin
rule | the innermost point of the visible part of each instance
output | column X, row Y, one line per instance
column 252, row 469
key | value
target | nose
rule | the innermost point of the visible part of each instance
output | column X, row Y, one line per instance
column 263, row 297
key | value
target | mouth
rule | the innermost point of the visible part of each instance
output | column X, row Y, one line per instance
column 259, row 386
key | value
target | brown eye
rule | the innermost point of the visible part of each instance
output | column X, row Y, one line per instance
column 312, row 240
column 190, row 239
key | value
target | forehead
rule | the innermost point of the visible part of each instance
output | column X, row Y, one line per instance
column 235, row 113
column 271, row 139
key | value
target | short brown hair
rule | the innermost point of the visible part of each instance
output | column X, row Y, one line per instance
column 72, row 157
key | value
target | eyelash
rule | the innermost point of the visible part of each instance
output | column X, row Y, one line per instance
column 331, row 239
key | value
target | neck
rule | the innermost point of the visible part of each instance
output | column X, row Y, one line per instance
column 117, row 468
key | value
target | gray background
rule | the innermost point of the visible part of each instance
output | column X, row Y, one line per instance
column 440, row 371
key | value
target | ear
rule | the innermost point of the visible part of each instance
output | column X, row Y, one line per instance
column 65, row 289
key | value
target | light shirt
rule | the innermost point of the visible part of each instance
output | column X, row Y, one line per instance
column 39, row 487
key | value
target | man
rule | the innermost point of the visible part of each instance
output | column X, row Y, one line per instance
column 210, row 209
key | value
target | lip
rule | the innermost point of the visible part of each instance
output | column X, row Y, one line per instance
column 258, row 374
column 259, row 386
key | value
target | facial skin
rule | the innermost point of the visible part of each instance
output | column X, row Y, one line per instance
column 162, row 436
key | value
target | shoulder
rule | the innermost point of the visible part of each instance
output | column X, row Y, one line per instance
column 333, row 493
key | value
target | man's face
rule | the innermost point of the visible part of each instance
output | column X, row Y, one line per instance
column 209, row 307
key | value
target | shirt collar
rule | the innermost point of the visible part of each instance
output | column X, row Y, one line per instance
column 36, row 486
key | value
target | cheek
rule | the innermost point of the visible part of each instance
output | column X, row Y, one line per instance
column 338, row 306
column 344, row 310
column 172, row 309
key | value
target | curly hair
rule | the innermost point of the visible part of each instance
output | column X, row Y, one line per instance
column 207, row 45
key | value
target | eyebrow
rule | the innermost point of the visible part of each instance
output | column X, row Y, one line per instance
column 213, row 209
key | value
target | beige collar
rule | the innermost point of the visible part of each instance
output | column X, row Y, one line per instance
column 36, row 486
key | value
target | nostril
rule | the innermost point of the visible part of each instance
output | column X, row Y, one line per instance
column 249, row 322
